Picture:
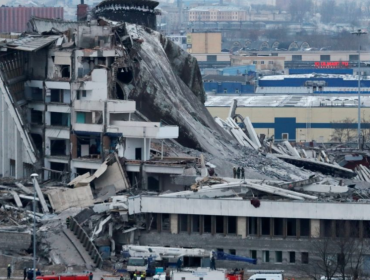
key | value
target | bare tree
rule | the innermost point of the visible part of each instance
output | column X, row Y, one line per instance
column 344, row 132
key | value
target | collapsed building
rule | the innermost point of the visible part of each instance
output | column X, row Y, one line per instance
column 111, row 116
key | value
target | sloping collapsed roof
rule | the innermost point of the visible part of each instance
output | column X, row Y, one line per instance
column 31, row 44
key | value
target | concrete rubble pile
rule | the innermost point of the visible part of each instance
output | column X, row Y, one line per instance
column 84, row 218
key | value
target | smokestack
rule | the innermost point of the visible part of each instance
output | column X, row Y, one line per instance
column 82, row 11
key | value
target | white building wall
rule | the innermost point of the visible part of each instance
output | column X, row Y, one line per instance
column 239, row 208
column 11, row 144
column 132, row 144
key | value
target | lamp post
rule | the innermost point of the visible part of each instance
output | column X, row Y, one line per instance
column 359, row 32
column 34, row 178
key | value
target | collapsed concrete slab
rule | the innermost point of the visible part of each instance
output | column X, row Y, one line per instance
column 63, row 198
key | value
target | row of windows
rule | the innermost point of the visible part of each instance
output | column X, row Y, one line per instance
column 278, row 227
column 263, row 62
column 326, row 57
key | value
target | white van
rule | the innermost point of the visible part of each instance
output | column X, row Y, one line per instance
column 267, row 276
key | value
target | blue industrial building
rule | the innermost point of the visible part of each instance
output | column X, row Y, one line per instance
column 339, row 71
column 228, row 88
column 219, row 84
column 312, row 83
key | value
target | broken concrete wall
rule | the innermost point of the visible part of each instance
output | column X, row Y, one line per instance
column 112, row 176
column 61, row 199
column 14, row 241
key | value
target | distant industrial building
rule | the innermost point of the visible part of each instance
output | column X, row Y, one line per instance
column 234, row 14
column 312, row 84
column 14, row 19
column 204, row 42
column 217, row 84
column 295, row 118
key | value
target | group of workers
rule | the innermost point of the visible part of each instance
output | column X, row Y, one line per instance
column 137, row 276
column 238, row 172
column 27, row 273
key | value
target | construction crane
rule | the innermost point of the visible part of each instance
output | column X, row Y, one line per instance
column 142, row 258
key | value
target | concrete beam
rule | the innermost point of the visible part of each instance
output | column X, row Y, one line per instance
column 40, row 195
column 315, row 228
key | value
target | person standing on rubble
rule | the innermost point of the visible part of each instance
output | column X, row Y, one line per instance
column 9, row 271
column 238, row 172
column 68, row 221
column 242, row 172
column 234, row 172
column 25, row 273
column 91, row 276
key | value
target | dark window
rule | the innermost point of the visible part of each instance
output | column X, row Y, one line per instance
column 291, row 227
column 138, row 153
column 232, row 252
column 36, row 94
column 56, row 95
column 305, row 227
column 253, row 254
column 354, row 227
column 252, row 226
column 84, row 93
column 265, row 226
column 326, row 228
column 325, row 57
column 274, row 54
column 166, row 224
column 59, row 119
column 219, row 224
column 231, row 225
column 266, row 256
column 211, row 57
column 195, row 226
column 36, row 116
column 305, row 258
column 57, row 147
column 279, row 256
column 353, row 57
column 297, row 57
column 183, row 222
column 278, row 227
column 207, row 224
column 340, row 228
column 292, row 257
column 153, row 221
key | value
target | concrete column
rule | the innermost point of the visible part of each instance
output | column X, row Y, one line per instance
column 174, row 220
column 1, row 131
column 285, row 228
column 298, row 228
column 201, row 224
column 347, row 229
column 333, row 229
column 271, row 227
column 259, row 227
column 241, row 226
column 159, row 222
column 361, row 229
column 226, row 221
column 315, row 228
column 18, row 155
column 73, row 139
column 213, row 225
column 5, row 136
column 190, row 220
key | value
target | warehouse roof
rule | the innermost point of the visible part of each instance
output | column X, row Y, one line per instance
column 287, row 101
column 314, row 75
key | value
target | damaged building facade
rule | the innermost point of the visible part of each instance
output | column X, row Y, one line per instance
column 68, row 106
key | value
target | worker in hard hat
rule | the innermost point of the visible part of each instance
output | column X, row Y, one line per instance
column 9, row 271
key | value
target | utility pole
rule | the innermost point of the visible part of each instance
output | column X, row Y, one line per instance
column 34, row 177
column 359, row 32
